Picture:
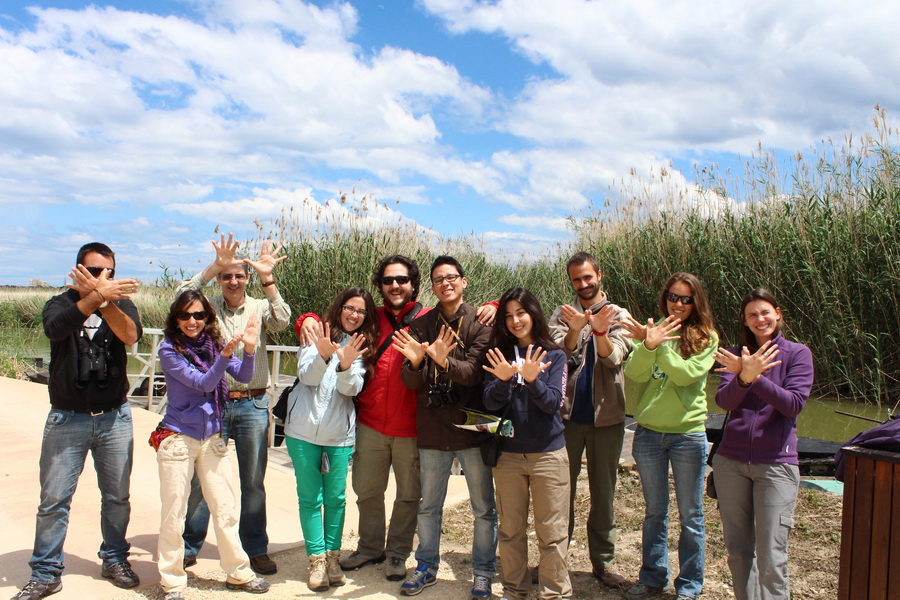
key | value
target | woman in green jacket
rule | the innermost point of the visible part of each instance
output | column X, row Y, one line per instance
column 669, row 364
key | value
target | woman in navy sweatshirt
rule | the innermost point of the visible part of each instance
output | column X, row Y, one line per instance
column 765, row 384
column 526, row 378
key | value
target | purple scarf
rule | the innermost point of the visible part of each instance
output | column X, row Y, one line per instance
column 202, row 352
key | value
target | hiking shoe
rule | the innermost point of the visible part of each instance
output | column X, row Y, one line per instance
column 318, row 572
column 257, row 585
column 263, row 565
column 395, row 570
column 357, row 559
column 189, row 561
column 35, row 589
column 481, row 587
column 610, row 578
column 174, row 596
column 685, row 597
column 420, row 579
column 333, row 569
column 121, row 574
column 639, row 591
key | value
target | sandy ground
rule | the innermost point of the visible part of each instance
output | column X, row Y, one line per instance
column 815, row 549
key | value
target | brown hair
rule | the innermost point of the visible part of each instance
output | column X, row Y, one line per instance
column 173, row 331
column 747, row 335
column 368, row 329
column 697, row 331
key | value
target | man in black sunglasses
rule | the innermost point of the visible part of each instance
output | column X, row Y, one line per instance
column 589, row 331
column 89, row 327
column 246, row 417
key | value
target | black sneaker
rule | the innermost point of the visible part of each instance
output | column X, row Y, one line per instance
column 35, row 589
column 121, row 574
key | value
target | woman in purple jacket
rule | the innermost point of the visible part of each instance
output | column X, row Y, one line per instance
column 195, row 359
column 756, row 465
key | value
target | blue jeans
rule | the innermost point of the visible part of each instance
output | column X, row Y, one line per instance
column 435, row 472
column 246, row 422
column 653, row 452
column 68, row 437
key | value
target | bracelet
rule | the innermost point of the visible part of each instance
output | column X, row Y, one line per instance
column 600, row 333
column 268, row 283
column 102, row 299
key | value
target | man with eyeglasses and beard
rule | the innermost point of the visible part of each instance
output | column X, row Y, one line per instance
column 246, row 417
column 445, row 351
column 89, row 327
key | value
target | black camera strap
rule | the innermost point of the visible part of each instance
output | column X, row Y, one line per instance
column 405, row 320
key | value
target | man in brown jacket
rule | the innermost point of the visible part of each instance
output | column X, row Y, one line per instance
column 589, row 331
column 444, row 352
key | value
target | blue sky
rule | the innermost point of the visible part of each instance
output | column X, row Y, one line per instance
column 148, row 124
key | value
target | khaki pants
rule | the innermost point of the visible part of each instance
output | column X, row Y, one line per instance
column 545, row 477
column 373, row 457
column 179, row 455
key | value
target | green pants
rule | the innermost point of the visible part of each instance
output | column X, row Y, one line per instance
column 321, row 496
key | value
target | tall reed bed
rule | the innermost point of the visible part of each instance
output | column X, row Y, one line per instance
column 821, row 231
column 824, row 238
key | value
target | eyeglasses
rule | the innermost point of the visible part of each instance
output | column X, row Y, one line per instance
column 235, row 276
column 98, row 271
column 400, row 279
column 442, row 278
column 199, row 315
column 673, row 298
column 353, row 310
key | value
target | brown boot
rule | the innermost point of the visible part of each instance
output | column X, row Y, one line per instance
column 335, row 573
column 318, row 576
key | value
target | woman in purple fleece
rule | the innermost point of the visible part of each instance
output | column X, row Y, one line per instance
column 765, row 383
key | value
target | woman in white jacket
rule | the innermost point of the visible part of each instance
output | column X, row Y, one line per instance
column 320, row 429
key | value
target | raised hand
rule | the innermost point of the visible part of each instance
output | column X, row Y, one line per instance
column 657, row 334
column 323, row 341
column 499, row 366
column 225, row 251
column 532, row 366
column 229, row 348
column 730, row 362
column 602, row 321
column 267, row 260
column 486, row 314
column 634, row 329
column 354, row 349
column 441, row 348
column 408, row 346
column 575, row 319
column 251, row 334
column 754, row 365
column 109, row 289
column 309, row 331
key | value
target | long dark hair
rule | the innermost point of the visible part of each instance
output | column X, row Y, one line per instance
column 185, row 299
column 749, row 338
column 698, row 330
column 502, row 338
column 368, row 328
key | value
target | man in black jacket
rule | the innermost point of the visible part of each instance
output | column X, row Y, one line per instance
column 89, row 327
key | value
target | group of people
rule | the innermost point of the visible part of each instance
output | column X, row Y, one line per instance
column 387, row 388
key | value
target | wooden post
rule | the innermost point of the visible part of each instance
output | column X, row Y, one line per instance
column 870, row 529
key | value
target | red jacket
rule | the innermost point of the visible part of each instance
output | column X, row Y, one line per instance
column 385, row 404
